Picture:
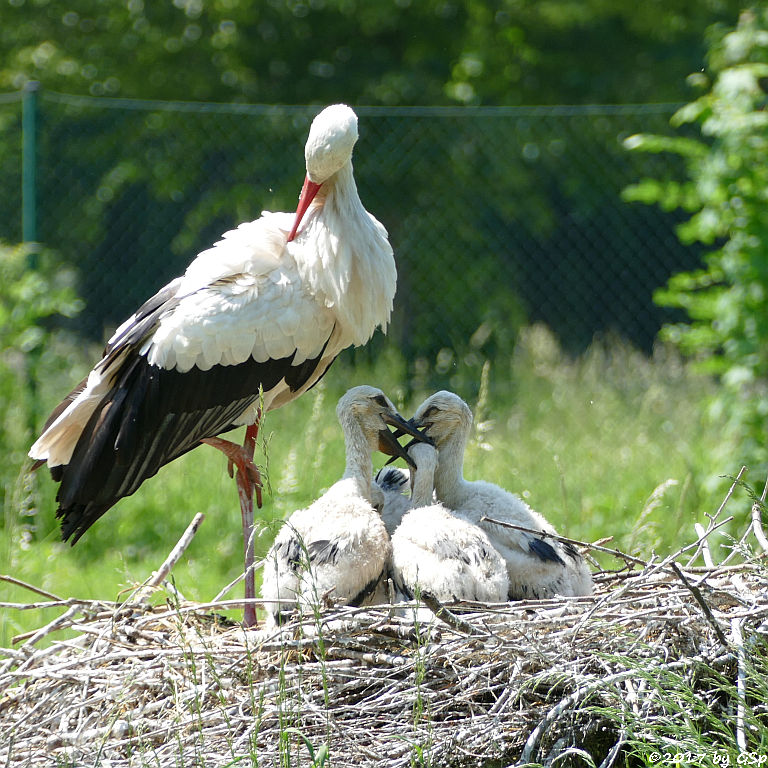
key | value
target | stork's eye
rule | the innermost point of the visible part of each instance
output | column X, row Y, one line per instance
column 381, row 400
column 430, row 411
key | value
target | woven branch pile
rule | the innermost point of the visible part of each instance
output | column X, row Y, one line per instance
column 478, row 685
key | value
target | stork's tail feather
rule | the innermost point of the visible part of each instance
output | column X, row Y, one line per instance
column 78, row 518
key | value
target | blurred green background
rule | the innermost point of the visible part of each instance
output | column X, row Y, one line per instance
column 498, row 147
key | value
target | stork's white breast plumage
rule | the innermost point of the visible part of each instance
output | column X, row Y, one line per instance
column 434, row 550
column 259, row 309
column 338, row 545
column 252, row 324
column 538, row 566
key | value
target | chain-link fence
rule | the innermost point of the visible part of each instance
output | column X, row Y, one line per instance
column 498, row 216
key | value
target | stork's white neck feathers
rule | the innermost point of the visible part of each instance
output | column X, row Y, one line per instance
column 354, row 274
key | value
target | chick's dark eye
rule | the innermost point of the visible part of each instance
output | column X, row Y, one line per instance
column 433, row 409
column 381, row 400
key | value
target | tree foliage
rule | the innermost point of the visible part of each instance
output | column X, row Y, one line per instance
column 726, row 193
column 181, row 178
column 29, row 298
column 362, row 51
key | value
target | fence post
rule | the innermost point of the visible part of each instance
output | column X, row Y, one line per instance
column 29, row 164
column 29, row 236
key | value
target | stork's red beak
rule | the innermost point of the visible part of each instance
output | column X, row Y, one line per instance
column 308, row 192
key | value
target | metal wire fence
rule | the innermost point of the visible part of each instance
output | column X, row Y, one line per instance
column 498, row 216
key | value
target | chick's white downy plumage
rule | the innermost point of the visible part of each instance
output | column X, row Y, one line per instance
column 537, row 566
column 338, row 546
column 435, row 551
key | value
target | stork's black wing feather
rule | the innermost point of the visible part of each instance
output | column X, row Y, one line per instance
column 357, row 600
column 323, row 551
column 150, row 417
column 289, row 550
column 544, row 551
column 144, row 320
column 391, row 479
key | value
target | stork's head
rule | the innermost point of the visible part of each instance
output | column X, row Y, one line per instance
column 332, row 136
column 373, row 413
column 444, row 417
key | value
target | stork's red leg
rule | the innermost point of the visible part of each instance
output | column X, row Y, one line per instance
column 241, row 456
column 248, row 479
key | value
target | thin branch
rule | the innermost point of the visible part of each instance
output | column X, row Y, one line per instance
column 144, row 591
column 706, row 552
column 614, row 751
column 238, row 579
column 696, row 592
column 442, row 613
column 694, row 545
column 728, row 495
column 10, row 749
column 736, row 549
column 574, row 542
column 60, row 603
column 702, row 544
column 30, row 587
column 52, row 626
column 757, row 525
column 741, row 684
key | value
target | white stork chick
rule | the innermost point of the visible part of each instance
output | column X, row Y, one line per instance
column 537, row 566
column 435, row 551
column 338, row 546
column 253, row 323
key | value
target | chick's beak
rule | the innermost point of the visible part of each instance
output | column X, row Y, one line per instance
column 403, row 427
column 389, row 444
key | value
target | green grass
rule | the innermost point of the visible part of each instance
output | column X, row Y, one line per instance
column 695, row 716
column 587, row 441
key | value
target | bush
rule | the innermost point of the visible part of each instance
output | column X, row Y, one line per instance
column 726, row 192
column 33, row 288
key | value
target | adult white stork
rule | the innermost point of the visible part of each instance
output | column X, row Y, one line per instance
column 339, row 544
column 253, row 323
column 538, row 566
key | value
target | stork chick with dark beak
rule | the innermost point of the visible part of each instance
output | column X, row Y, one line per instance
column 539, row 564
column 338, row 545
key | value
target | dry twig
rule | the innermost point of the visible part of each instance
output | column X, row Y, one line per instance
column 741, row 684
column 696, row 592
column 157, row 578
column 30, row 587
column 628, row 559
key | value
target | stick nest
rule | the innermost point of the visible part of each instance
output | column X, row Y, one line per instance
column 176, row 684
